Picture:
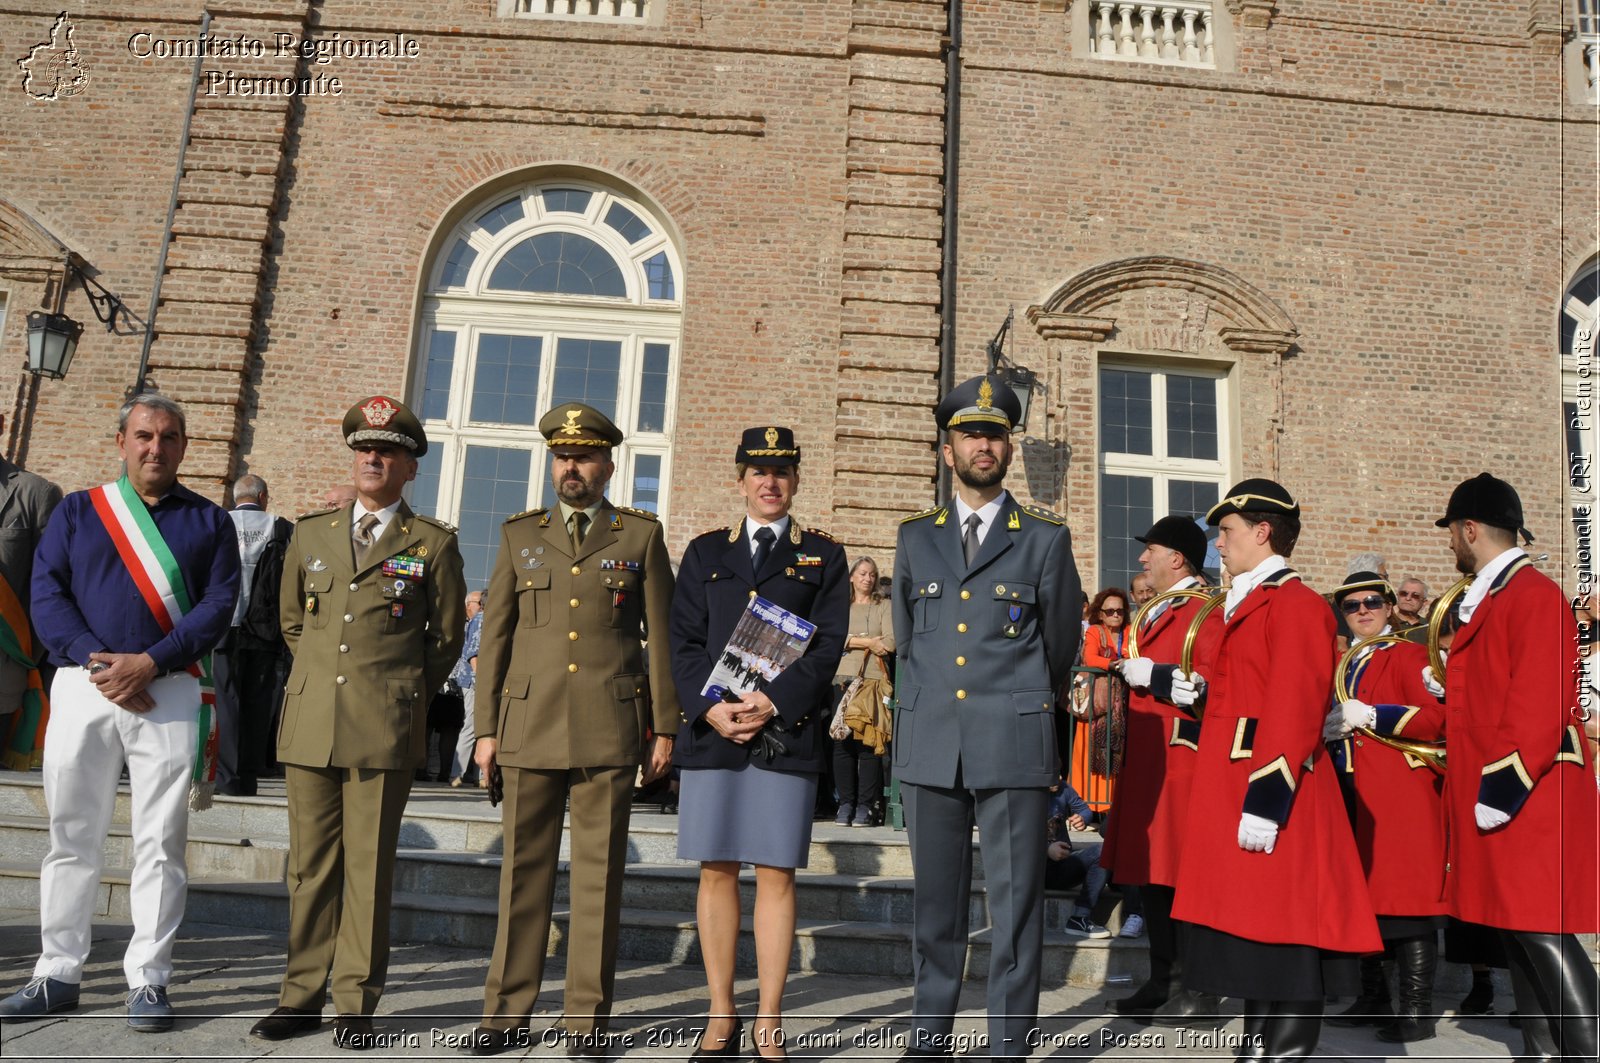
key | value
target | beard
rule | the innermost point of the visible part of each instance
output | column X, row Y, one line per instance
column 577, row 492
column 978, row 478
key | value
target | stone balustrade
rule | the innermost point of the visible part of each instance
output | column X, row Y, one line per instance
column 1174, row 32
column 607, row 10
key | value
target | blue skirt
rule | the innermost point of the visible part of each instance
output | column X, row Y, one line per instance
column 749, row 815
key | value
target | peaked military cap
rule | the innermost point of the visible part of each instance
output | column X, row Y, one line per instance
column 381, row 419
column 572, row 424
column 767, row 446
column 1255, row 495
column 1364, row 581
column 1487, row 500
column 983, row 404
column 1181, row 534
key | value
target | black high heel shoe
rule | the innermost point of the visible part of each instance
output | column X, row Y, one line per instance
column 729, row 1049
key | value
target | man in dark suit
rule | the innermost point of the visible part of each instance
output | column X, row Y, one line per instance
column 567, row 713
column 372, row 608
column 986, row 620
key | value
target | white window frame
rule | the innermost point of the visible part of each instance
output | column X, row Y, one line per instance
column 470, row 310
column 1157, row 466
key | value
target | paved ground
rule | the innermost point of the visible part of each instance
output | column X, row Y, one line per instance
column 226, row 979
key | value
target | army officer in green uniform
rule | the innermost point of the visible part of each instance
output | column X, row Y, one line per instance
column 372, row 609
column 564, row 708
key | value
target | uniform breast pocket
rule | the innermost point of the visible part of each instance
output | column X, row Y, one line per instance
column 318, row 586
column 406, row 603
column 1015, row 607
column 623, row 589
column 925, row 605
column 533, row 598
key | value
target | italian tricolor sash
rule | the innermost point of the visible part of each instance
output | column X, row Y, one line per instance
column 156, row 573
column 25, row 741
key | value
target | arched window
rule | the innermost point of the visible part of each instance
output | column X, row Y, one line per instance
column 557, row 291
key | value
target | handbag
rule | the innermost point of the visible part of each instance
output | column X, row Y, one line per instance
column 866, row 710
column 838, row 730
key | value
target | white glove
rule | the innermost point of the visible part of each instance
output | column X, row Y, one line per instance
column 1186, row 689
column 1431, row 683
column 1346, row 717
column 1489, row 818
column 1256, row 834
column 1135, row 671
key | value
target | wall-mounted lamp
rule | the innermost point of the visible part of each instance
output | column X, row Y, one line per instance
column 1020, row 379
column 53, row 337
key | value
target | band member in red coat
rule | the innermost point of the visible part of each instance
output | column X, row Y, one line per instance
column 1395, row 808
column 1145, row 833
column 1520, row 786
column 1269, row 881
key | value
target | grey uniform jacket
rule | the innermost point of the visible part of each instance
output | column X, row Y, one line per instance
column 983, row 650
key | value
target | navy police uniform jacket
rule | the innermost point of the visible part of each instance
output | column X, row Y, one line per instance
column 983, row 650
column 806, row 574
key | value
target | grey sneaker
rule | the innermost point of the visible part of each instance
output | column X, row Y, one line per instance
column 148, row 1010
column 843, row 818
column 40, row 997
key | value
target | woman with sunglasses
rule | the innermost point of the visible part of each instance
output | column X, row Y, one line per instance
column 1394, row 800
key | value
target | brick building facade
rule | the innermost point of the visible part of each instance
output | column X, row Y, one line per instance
column 1331, row 241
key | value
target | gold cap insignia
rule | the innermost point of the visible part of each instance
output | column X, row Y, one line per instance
column 572, row 428
column 378, row 412
column 772, row 437
column 985, row 395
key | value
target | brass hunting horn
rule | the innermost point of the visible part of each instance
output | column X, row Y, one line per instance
column 1430, row 753
column 1211, row 597
column 1442, row 609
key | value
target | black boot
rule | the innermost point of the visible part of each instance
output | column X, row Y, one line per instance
column 1188, row 1008
column 1293, row 1028
column 1480, row 998
column 1255, row 1032
column 1372, row 1007
column 1563, row 977
column 1538, row 1044
column 1166, row 964
column 1414, row 960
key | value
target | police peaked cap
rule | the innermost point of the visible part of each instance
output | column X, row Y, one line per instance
column 984, row 404
column 1181, row 534
column 381, row 419
column 770, row 445
column 1255, row 495
column 1487, row 500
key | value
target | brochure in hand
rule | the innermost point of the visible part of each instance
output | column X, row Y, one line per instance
column 765, row 641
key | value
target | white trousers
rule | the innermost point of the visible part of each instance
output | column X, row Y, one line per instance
column 88, row 741
column 467, row 741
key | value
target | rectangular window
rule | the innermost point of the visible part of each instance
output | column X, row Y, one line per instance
column 505, row 379
column 588, row 371
column 494, row 485
column 436, row 378
column 423, row 492
column 647, row 482
column 653, row 376
column 1163, row 440
column 602, row 10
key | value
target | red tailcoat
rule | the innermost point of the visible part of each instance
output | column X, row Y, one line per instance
column 1514, row 744
column 1261, row 751
column 1145, row 833
column 1399, row 812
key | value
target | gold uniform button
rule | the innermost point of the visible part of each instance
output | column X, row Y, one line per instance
column 341, row 680
column 576, row 570
column 961, row 662
column 999, row 588
column 573, row 635
column 961, row 695
column 528, row 583
column 965, row 595
column 752, row 594
column 961, row 628
column 1013, row 594
column 572, row 668
column 573, row 603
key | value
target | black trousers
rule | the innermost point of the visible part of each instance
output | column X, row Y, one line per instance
column 257, row 676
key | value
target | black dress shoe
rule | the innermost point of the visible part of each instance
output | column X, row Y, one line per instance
column 285, row 1023
column 728, row 1050
column 486, row 1041
column 354, row 1032
column 1188, row 1008
column 586, row 1045
column 1148, row 998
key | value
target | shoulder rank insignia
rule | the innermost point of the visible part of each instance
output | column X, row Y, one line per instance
column 645, row 513
column 733, row 532
column 1040, row 513
column 820, row 534
column 924, row 513
column 525, row 513
column 318, row 513
column 437, row 523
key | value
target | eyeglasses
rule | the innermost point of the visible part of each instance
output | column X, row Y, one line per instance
column 1371, row 603
column 1113, row 612
column 1411, row 594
